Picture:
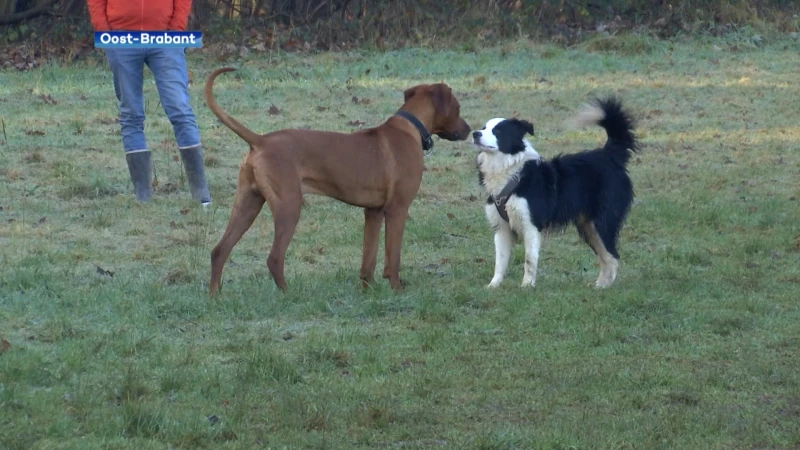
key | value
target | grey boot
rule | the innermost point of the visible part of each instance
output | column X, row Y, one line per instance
column 141, row 169
column 193, row 165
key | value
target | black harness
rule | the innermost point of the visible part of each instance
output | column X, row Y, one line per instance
column 502, row 198
column 427, row 139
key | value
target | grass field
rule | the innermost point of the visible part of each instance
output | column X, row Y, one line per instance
column 109, row 339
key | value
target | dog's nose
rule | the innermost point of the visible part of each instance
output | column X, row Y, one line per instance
column 476, row 135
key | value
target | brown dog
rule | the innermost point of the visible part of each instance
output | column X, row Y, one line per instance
column 378, row 169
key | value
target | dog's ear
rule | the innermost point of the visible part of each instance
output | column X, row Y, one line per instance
column 408, row 93
column 523, row 126
column 442, row 98
column 527, row 126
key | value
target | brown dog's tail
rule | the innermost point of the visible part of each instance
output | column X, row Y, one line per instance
column 245, row 133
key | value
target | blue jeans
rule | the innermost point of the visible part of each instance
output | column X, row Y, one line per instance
column 168, row 66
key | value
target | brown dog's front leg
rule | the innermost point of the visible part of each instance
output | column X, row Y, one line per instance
column 373, row 218
column 395, row 226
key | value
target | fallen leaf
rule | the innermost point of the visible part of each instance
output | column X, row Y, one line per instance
column 213, row 419
column 444, row 261
column 185, row 211
column 320, row 250
column 34, row 133
column 39, row 222
column 4, row 346
column 355, row 99
column 47, row 99
column 273, row 110
column 457, row 154
column 172, row 224
column 356, row 123
column 479, row 260
column 451, row 216
column 796, row 246
column 104, row 272
column 322, row 108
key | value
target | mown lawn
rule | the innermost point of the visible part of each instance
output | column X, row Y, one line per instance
column 109, row 339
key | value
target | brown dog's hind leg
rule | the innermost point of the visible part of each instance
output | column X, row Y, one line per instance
column 246, row 207
column 395, row 226
column 285, row 225
column 373, row 218
column 281, row 187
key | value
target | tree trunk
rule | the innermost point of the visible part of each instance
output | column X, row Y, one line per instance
column 45, row 7
column 6, row 7
column 73, row 8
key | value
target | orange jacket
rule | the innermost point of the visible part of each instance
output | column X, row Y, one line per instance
column 139, row 15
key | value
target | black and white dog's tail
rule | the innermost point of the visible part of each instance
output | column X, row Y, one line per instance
column 619, row 125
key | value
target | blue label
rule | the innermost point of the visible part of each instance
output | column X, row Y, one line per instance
column 148, row 39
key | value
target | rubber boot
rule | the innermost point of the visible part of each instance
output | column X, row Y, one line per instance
column 141, row 169
column 193, row 166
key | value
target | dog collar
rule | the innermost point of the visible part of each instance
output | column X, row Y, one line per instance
column 427, row 139
column 502, row 198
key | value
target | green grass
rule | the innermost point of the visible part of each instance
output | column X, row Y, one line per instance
column 695, row 346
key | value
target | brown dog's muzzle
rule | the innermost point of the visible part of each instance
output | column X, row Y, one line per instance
column 460, row 133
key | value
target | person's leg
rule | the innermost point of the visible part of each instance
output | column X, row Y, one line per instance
column 127, row 67
column 172, row 81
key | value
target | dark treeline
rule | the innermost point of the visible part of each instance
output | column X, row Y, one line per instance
column 33, row 27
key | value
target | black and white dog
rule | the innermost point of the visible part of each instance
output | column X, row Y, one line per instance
column 590, row 189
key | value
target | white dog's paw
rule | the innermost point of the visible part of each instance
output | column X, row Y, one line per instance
column 604, row 281
column 603, row 284
column 528, row 283
column 494, row 284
